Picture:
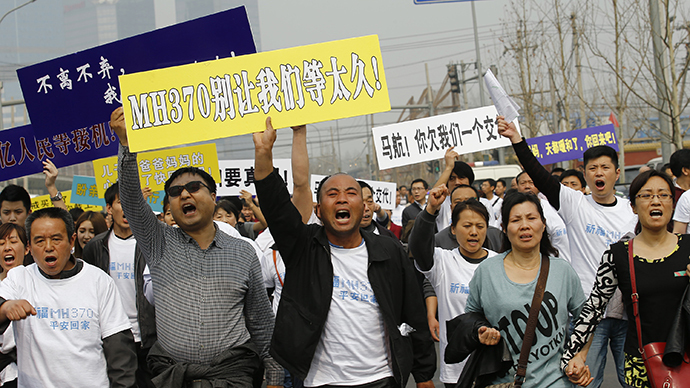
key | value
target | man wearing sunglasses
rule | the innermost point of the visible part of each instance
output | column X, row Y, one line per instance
column 351, row 313
column 213, row 317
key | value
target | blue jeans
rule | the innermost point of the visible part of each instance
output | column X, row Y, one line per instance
column 613, row 331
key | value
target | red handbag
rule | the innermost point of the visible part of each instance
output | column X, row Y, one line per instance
column 659, row 374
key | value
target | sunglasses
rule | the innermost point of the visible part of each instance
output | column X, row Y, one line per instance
column 191, row 187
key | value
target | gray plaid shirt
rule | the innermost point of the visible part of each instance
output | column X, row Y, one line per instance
column 207, row 300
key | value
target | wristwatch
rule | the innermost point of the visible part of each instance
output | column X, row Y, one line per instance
column 58, row 197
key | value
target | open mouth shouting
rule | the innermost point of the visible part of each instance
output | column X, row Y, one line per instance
column 51, row 261
column 600, row 184
column 9, row 259
column 656, row 213
column 188, row 209
column 342, row 216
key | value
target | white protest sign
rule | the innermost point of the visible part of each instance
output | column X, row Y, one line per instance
column 503, row 102
column 236, row 175
column 416, row 141
column 383, row 192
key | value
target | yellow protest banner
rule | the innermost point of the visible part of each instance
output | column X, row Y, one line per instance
column 233, row 96
column 43, row 201
column 155, row 167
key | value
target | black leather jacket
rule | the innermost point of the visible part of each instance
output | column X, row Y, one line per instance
column 96, row 253
column 308, row 287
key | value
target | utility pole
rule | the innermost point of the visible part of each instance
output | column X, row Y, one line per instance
column 464, row 86
column 660, row 73
column 429, row 93
column 578, row 70
column 554, row 103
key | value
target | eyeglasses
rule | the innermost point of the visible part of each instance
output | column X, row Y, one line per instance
column 191, row 187
column 663, row 197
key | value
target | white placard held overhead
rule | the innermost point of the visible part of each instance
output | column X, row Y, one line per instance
column 416, row 141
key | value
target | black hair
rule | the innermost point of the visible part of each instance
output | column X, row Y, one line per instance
column 166, row 202
column 557, row 170
column 426, row 185
column 51, row 212
column 112, row 193
column 99, row 226
column 76, row 212
column 473, row 205
column 208, row 179
column 403, row 186
column 599, row 151
column 364, row 184
column 492, row 182
column 679, row 159
column 7, row 228
column 509, row 192
column 502, row 181
column 228, row 207
column 476, row 195
column 642, row 180
column 510, row 201
column 13, row 193
column 576, row 173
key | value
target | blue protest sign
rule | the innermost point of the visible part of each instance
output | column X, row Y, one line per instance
column 80, row 89
column 18, row 156
column 156, row 201
column 21, row 153
column 571, row 145
column 84, row 191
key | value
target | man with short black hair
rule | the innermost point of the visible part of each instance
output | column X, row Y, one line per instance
column 351, row 314
column 419, row 188
column 115, row 251
column 213, row 317
column 574, row 179
column 79, row 335
column 500, row 188
column 15, row 205
column 368, row 223
column 488, row 187
column 680, row 167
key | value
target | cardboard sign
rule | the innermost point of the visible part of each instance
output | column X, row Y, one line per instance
column 571, row 145
column 237, row 175
column 80, row 89
column 43, row 201
column 156, row 167
column 416, row 141
column 233, row 96
column 383, row 192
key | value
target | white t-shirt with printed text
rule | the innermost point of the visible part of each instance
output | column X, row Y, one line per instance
column 122, row 271
column 682, row 212
column 450, row 276
column 352, row 349
column 62, row 346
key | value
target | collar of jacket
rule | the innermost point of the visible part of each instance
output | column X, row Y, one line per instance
column 368, row 237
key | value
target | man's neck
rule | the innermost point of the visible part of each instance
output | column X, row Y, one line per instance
column 684, row 182
column 349, row 241
column 422, row 202
column 203, row 236
column 489, row 195
column 606, row 199
column 122, row 233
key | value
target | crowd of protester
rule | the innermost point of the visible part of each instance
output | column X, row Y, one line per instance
column 284, row 290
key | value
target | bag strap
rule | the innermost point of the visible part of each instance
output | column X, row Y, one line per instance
column 528, row 339
column 635, row 297
column 275, row 264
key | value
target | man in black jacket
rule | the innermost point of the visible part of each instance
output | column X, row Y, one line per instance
column 351, row 313
column 116, row 252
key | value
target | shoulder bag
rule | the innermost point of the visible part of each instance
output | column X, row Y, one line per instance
column 658, row 374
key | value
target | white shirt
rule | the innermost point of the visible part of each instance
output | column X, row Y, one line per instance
column 62, row 346
column 8, row 344
column 682, row 213
column 352, row 349
column 450, row 276
column 591, row 229
column 274, row 275
column 558, row 233
column 122, row 271
column 396, row 214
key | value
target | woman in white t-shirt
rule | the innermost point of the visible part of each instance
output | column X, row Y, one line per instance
column 450, row 271
column 13, row 246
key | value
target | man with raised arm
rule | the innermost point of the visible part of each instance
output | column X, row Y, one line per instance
column 351, row 313
column 593, row 222
column 213, row 317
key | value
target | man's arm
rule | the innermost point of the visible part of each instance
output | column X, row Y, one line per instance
column 121, row 359
column 431, row 308
column 148, row 232
column 301, row 192
column 543, row 180
column 421, row 241
column 450, row 157
column 51, row 173
column 282, row 216
column 256, row 226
